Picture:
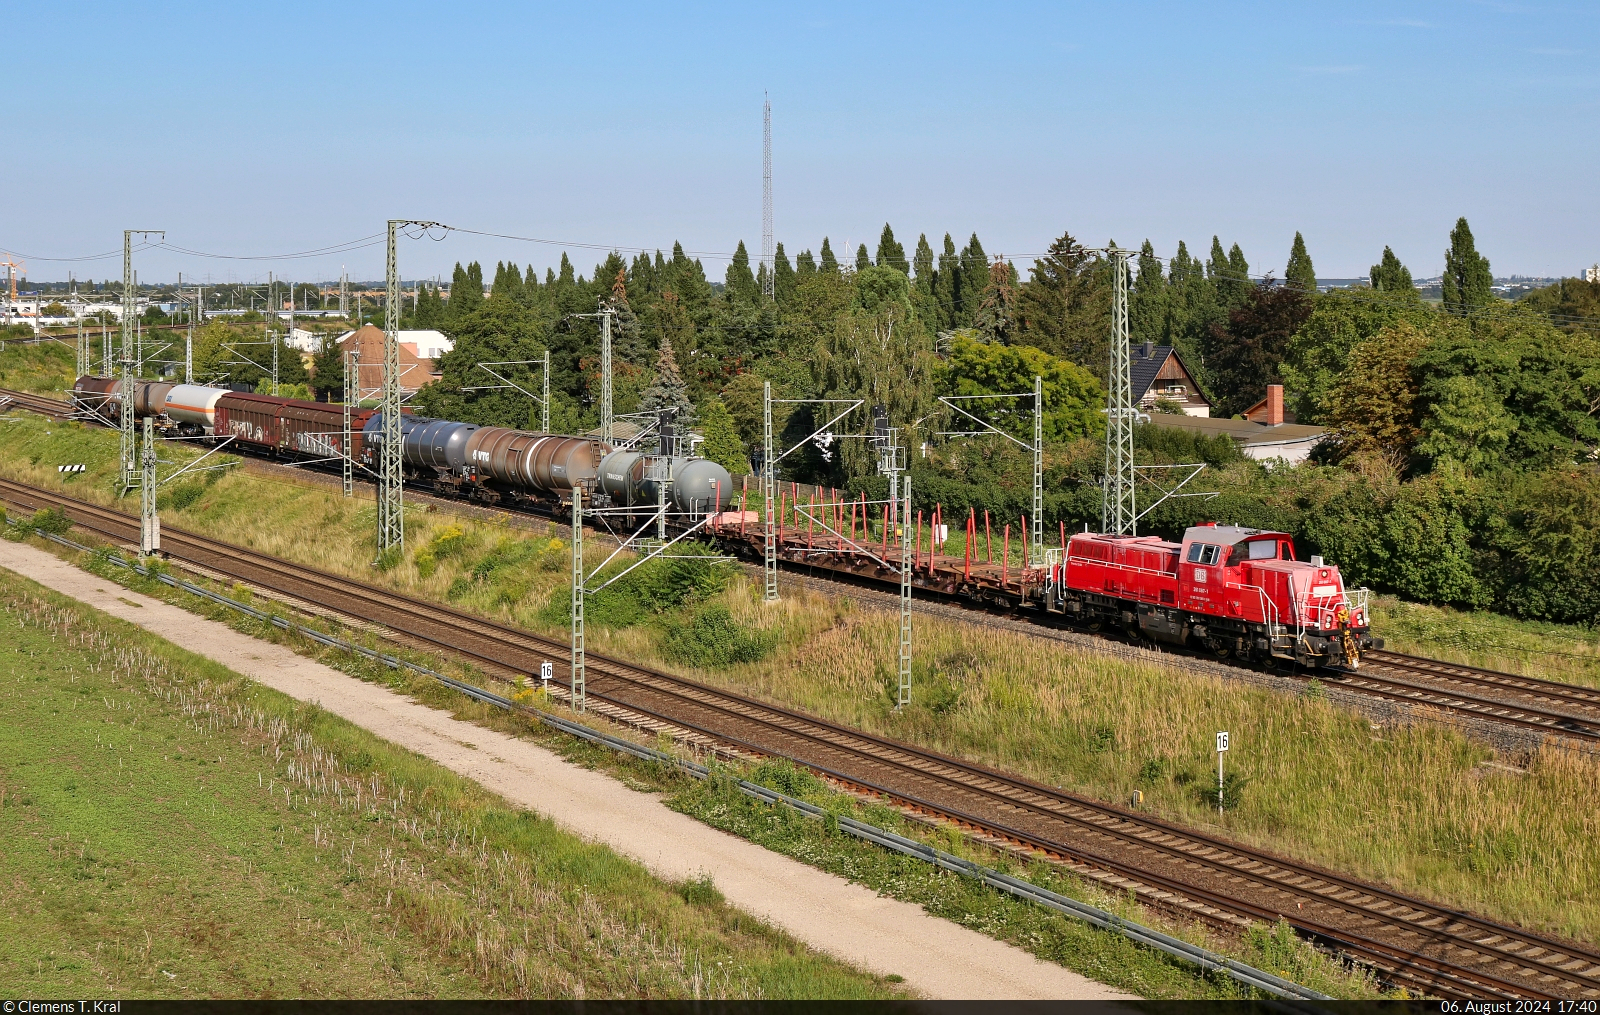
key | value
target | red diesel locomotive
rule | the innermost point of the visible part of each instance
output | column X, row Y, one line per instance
column 1232, row 590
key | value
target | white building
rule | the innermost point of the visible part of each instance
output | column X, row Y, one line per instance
column 1592, row 274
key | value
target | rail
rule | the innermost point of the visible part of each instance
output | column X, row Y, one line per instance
column 1205, row 959
column 973, row 796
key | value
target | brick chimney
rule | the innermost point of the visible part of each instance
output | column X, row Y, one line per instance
column 1274, row 405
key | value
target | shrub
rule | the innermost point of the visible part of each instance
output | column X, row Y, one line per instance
column 181, row 496
column 1233, row 785
column 786, row 777
column 711, row 637
column 51, row 520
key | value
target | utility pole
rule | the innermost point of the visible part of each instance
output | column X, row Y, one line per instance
column 577, row 683
column 767, row 250
column 149, row 522
column 544, row 405
column 290, row 336
column 129, row 305
column 272, row 315
column 352, row 374
column 344, row 292
column 188, row 344
column 391, row 516
column 769, row 498
column 138, row 331
column 105, row 348
column 903, row 693
column 606, row 426
column 1118, row 515
column 1038, row 470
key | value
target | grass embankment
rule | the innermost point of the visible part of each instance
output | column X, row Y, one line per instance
column 1417, row 808
column 45, row 368
column 174, row 830
column 1563, row 652
column 1106, row 957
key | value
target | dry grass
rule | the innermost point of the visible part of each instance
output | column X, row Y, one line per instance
column 1417, row 808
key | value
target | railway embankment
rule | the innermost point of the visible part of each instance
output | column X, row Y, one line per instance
column 1424, row 810
column 176, row 831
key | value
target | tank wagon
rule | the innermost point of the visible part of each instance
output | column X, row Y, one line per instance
column 693, row 485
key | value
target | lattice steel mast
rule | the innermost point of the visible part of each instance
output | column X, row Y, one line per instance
column 129, row 311
column 1118, row 514
column 391, row 516
column 768, row 251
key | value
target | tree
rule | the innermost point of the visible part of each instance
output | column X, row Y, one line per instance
column 882, row 355
column 782, row 278
column 668, row 391
column 997, row 313
column 1372, row 408
column 466, row 292
column 627, row 340
column 828, row 263
column 946, row 285
column 1510, row 392
column 1192, row 309
column 1147, row 302
column 507, row 282
column 1390, row 276
column 863, row 262
column 972, row 279
column 1317, row 357
column 722, row 443
column 739, row 285
column 1073, row 398
column 804, row 264
column 923, row 282
column 498, row 331
column 1246, row 352
column 1300, row 274
column 1572, row 304
column 1065, row 306
column 430, row 309
column 327, row 369
column 1467, row 284
column 891, row 254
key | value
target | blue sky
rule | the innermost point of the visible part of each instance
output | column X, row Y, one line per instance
column 280, row 128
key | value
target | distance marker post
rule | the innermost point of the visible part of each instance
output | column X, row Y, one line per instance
column 1222, row 748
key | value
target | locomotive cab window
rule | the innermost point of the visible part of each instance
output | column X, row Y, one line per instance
column 1203, row 553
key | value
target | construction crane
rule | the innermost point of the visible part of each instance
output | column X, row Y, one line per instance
column 11, row 278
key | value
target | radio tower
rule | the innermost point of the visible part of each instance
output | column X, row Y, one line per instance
column 766, row 193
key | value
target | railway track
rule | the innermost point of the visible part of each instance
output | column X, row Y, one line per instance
column 51, row 407
column 1524, row 704
column 1414, row 943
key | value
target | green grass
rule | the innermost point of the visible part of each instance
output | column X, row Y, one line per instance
column 1419, row 808
column 1100, row 955
column 45, row 368
column 173, row 830
column 1569, row 653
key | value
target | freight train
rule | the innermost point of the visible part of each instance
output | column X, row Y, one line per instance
column 491, row 464
column 1226, row 590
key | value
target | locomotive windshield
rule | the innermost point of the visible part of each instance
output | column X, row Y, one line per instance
column 1260, row 549
column 1204, row 553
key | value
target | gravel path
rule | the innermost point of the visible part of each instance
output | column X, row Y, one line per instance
column 850, row 922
